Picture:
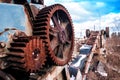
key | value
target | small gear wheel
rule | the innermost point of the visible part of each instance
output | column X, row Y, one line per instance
column 35, row 54
column 27, row 53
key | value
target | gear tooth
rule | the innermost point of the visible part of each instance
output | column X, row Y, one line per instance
column 15, row 54
column 40, row 32
column 40, row 20
column 40, row 23
column 17, row 65
column 15, row 59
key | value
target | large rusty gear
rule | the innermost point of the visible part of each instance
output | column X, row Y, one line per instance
column 54, row 25
column 27, row 53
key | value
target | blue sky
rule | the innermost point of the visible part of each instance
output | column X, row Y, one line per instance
column 89, row 13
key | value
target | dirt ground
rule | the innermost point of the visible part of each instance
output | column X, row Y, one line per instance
column 111, row 61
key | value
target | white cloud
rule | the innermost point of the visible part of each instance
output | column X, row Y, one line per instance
column 75, row 8
column 105, row 21
column 75, row 17
column 77, row 12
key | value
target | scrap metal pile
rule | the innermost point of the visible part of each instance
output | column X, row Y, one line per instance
column 92, row 36
column 50, row 41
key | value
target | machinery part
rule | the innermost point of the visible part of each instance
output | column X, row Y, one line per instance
column 7, row 29
column 87, row 33
column 2, row 45
column 27, row 8
column 90, row 41
column 92, row 37
column 27, row 53
column 20, row 1
column 101, row 41
column 54, row 25
column 107, row 32
column 4, row 76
